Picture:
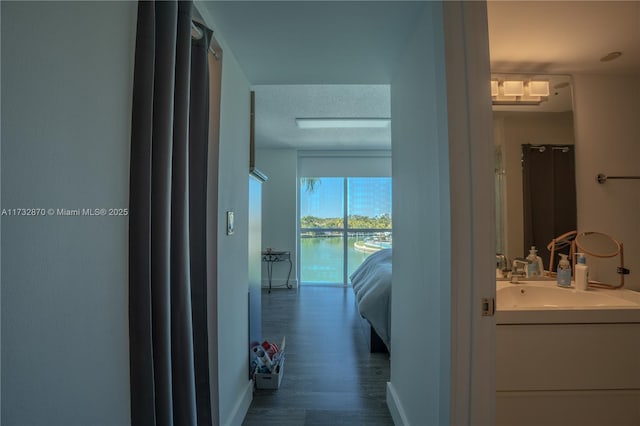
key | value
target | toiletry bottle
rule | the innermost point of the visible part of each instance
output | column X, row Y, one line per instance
column 533, row 267
column 582, row 272
column 564, row 271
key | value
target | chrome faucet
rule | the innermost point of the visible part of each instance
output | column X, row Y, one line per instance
column 502, row 266
column 519, row 269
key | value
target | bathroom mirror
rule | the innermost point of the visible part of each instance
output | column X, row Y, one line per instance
column 599, row 248
column 546, row 128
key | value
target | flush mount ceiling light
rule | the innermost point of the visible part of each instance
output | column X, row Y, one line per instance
column 342, row 123
column 519, row 92
column 610, row 56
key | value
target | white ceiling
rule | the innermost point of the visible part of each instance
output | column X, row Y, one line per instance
column 296, row 44
column 277, row 106
column 316, row 42
column 564, row 37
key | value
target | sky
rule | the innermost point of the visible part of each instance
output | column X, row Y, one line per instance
column 367, row 197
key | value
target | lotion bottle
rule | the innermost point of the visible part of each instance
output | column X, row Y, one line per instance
column 582, row 272
column 564, row 271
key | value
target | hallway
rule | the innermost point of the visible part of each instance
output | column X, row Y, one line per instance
column 330, row 378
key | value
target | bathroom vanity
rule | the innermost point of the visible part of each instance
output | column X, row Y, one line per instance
column 565, row 357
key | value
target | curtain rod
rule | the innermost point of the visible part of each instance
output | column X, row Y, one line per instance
column 197, row 34
column 601, row 178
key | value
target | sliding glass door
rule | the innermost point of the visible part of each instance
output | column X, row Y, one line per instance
column 322, row 230
column 342, row 221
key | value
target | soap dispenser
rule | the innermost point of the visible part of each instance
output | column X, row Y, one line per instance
column 582, row 272
column 534, row 267
column 564, row 271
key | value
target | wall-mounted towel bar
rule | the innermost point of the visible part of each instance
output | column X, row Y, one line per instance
column 603, row 178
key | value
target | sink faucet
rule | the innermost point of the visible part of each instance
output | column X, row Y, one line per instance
column 519, row 269
column 502, row 266
column 516, row 275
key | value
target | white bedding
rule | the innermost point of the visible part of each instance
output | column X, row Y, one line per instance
column 372, row 286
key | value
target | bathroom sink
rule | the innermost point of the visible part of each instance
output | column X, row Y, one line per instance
column 545, row 296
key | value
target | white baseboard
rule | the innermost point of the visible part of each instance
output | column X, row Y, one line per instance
column 280, row 283
column 395, row 407
column 241, row 407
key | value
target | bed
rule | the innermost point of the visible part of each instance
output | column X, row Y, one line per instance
column 371, row 283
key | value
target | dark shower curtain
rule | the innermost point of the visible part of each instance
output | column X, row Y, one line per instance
column 168, row 174
column 549, row 189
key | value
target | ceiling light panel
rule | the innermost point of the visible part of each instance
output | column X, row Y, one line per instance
column 342, row 123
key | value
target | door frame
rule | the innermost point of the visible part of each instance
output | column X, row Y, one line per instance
column 472, row 212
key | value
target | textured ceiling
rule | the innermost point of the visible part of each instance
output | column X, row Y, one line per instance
column 325, row 43
column 277, row 107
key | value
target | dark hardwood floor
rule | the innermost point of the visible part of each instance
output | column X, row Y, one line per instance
column 330, row 378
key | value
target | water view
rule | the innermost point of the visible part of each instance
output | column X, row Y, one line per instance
column 334, row 208
column 321, row 258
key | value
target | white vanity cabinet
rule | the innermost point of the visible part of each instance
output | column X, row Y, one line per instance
column 568, row 374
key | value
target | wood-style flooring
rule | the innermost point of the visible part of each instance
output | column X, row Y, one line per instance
column 330, row 378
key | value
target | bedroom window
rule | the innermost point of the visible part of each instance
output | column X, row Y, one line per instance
column 342, row 221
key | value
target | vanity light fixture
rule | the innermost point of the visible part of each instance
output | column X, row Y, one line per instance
column 494, row 88
column 513, row 87
column 519, row 92
column 538, row 88
column 342, row 123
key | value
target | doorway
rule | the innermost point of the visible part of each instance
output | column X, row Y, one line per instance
column 433, row 187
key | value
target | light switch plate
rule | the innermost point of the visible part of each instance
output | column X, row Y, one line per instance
column 229, row 223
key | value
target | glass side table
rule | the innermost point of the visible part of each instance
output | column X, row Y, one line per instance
column 270, row 257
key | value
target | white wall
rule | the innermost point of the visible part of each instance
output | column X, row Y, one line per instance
column 373, row 163
column 442, row 368
column 233, row 261
column 607, row 127
column 511, row 130
column 234, row 386
column 418, row 393
column 0, row 241
column 67, row 72
column 279, row 208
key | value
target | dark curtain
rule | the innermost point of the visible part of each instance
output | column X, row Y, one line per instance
column 549, row 189
column 198, row 155
column 167, row 268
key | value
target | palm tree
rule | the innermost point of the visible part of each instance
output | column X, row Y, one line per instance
column 310, row 184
